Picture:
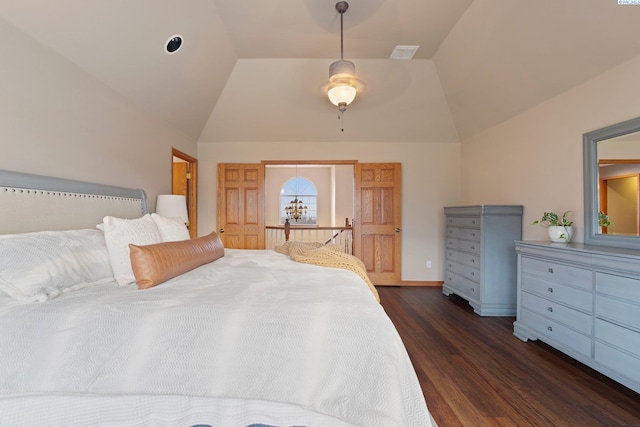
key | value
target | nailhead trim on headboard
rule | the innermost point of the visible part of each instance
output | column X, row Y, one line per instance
column 24, row 208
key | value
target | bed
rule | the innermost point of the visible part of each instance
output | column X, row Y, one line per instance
column 251, row 338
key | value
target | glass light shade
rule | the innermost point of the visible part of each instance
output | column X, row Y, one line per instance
column 172, row 206
column 342, row 93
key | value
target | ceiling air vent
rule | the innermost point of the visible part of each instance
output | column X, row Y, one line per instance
column 404, row 52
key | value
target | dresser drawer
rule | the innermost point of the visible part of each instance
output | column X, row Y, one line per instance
column 618, row 361
column 560, row 334
column 463, row 221
column 463, row 233
column 470, row 260
column 617, row 310
column 470, row 273
column 558, row 272
column 618, row 336
column 621, row 287
column 573, row 297
column 463, row 245
column 462, row 286
column 557, row 313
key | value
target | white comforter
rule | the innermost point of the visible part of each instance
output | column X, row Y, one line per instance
column 271, row 340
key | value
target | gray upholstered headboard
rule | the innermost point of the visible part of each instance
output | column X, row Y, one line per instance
column 34, row 203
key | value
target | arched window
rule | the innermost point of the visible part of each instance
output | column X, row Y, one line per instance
column 304, row 191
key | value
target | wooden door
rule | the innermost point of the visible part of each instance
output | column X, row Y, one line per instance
column 184, row 181
column 240, row 211
column 378, row 221
column 179, row 177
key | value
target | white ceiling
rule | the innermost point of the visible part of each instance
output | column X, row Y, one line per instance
column 255, row 69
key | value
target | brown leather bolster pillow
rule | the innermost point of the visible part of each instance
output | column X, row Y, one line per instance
column 154, row 264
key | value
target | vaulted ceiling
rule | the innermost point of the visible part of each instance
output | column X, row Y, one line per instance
column 255, row 70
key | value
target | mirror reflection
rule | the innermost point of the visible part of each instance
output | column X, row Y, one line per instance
column 619, row 184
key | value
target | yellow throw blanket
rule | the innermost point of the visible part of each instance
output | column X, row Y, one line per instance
column 330, row 255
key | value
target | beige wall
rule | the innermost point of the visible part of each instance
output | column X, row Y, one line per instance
column 57, row 120
column 430, row 174
column 535, row 159
column 344, row 194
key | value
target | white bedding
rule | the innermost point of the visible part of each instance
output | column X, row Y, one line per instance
column 278, row 343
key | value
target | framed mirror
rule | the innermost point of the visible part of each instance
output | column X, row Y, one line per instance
column 612, row 185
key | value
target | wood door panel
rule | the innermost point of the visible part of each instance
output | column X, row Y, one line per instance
column 251, row 242
column 387, row 257
column 232, row 204
column 367, row 246
column 387, row 208
column 231, row 241
column 378, row 216
column 388, row 174
column 367, row 201
column 251, row 206
column 241, row 205
column 232, row 176
column 251, row 176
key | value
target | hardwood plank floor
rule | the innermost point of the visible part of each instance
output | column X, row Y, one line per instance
column 474, row 372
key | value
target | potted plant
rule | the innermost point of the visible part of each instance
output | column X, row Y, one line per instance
column 604, row 222
column 560, row 228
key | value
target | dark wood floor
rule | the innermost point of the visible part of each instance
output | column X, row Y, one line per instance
column 474, row 372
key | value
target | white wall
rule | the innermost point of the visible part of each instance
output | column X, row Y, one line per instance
column 58, row 120
column 430, row 181
column 535, row 159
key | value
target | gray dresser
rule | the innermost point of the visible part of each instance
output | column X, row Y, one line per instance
column 584, row 301
column 480, row 261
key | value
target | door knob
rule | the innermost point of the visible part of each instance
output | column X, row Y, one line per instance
column 397, row 230
column 221, row 230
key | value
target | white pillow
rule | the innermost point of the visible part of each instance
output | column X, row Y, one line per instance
column 171, row 229
column 119, row 233
column 40, row 266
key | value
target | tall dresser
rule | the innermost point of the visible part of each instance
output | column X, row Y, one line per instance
column 480, row 261
column 584, row 301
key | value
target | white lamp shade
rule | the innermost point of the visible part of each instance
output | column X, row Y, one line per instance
column 342, row 93
column 172, row 206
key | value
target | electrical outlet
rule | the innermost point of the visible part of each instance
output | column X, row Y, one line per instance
column 429, row 263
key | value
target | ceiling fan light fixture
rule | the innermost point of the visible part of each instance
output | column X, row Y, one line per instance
column 343, row 84
column 341, row 94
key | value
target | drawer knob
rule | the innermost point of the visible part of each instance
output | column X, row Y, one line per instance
column 550, row 309
column 473, row 247
column 550, row 290
column 473, row 221
column 549, row 328
column 473, row 260
column 550, row 270
column 449, row 265
column 473, row 234
column 473, row 289
column 473, row 274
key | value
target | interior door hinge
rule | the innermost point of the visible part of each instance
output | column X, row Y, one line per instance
column 188, row 175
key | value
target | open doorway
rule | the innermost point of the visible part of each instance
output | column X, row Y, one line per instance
column 184, row 181
column 327, row 189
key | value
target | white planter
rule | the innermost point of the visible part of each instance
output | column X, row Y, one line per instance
column 560, row 234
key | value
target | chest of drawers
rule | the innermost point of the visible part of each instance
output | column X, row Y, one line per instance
column 480, row 262
column 585, row 302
